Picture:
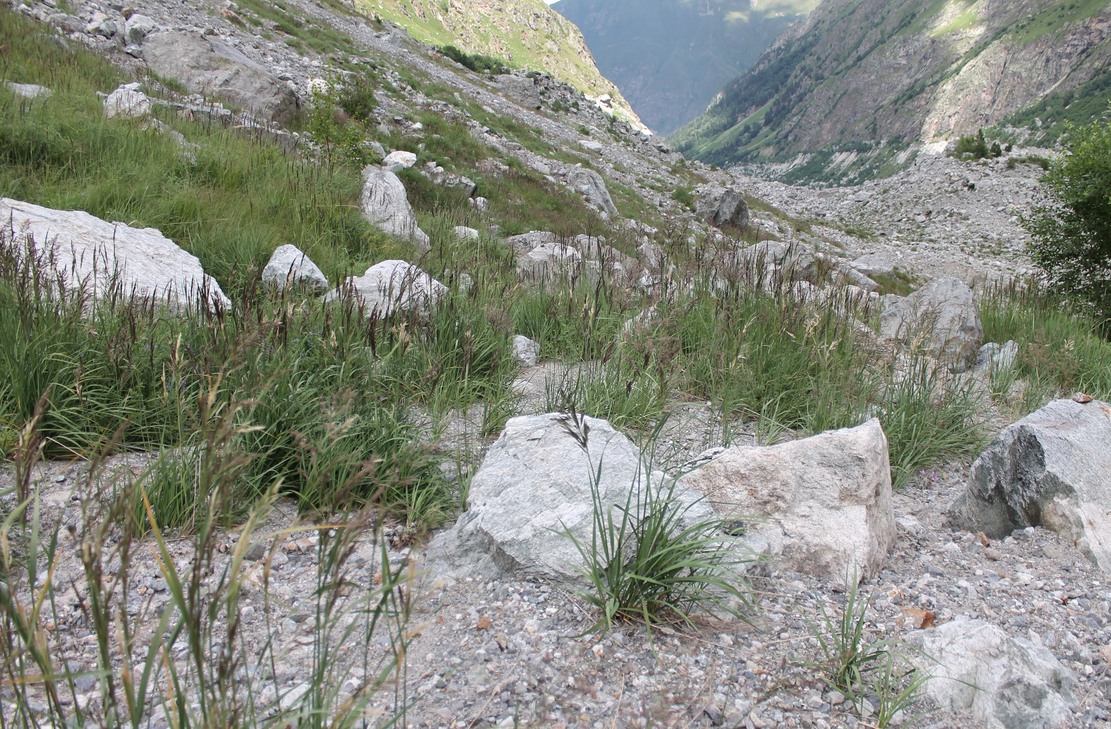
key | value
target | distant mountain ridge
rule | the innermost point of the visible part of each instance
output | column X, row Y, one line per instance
column 523, row 33
column 868, row 75
column 670, row 57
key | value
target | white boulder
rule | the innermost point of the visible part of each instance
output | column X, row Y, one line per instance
column 127, row 101
column 88, row 252
column 462, row 232
column 533, row 486
column 289, row 267
column 1004, row 682
column 385, row 204
column 399, row 160
column 823, row 503
column 392, row 286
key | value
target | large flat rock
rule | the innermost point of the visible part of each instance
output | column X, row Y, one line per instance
column 86, row 251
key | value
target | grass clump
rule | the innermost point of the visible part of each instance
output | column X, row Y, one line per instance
column 684, row 195
column 649, row 560
column 876, row 671
column 1059, row 351
column 927, row 420
column 794, row 361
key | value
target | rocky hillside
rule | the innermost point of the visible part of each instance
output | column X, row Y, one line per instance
column 342, row 384
column 870, row 78
column 524, row 33
column 670, row 57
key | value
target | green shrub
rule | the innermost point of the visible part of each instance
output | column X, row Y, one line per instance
column 475, row 61
column 684, row 196
column 975, row 146
column 1071, row 236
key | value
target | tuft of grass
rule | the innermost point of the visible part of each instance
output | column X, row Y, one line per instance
column 927, row 420
column 847, row 654
column 648, row 561
column 863, row 669
column 772, row 354
column 684, row 195
column 625, row 394
column 1059, row 352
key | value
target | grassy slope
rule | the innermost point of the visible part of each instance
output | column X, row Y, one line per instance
column 794, row 367
column 551, row 43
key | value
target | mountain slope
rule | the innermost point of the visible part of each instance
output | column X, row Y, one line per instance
column 523, row 33
column 669, row 57
column 864, row 73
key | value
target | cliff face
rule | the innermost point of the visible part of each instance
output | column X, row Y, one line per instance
column 524, row 33
column 901, row 72
column 669, row 57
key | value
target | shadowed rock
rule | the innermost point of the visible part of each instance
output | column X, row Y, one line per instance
column 940, row 319
column 1049, row 469
column 206, row 65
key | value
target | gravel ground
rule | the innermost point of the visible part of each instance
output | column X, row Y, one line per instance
column 488, row 652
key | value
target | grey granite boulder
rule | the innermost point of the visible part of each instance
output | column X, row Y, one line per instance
column 525, row 351
column 290, row 267
column 1050, row 469
column 592, row 187
column 386, row 205
column 392, row 286
column 525, row 242
column 138, row 27
column 533, row 486
column 775, row 262
column 941, row 319
column 208, row 65
column 1004, row 682
column 718, row 206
